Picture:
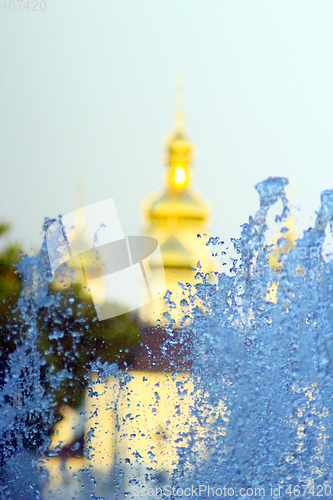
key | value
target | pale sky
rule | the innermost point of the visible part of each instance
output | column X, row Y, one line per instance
column 87, row 93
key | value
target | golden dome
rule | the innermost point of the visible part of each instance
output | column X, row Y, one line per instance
column 177, row 201
column 186, row 205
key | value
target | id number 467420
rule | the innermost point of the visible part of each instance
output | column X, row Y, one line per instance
column 28, row 5
column 319, row 490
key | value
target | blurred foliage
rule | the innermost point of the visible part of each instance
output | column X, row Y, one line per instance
column 71, row 336
column 10, row 284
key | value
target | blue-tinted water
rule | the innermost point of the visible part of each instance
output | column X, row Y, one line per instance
column 260, row 386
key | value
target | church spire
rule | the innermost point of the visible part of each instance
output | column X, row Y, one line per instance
column 180, row 92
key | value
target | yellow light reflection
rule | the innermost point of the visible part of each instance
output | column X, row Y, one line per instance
column 180, row 177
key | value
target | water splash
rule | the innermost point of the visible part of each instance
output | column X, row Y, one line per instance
column 261, row 380
column 26, row 408
column 263, row 370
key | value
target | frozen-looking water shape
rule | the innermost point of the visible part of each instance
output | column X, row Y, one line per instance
column 259, row 389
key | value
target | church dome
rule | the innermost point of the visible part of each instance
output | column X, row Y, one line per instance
column 187, row 205
column 177, row 200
